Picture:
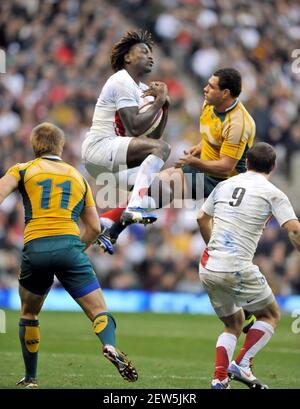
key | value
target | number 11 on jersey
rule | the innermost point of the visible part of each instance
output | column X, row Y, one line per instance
column 47, row 186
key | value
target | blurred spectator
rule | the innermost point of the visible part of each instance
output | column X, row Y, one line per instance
column 256, row 37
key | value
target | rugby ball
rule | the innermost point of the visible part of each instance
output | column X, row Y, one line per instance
column 156, row 120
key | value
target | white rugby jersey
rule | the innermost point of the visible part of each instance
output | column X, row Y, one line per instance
column 119, row 91
column 240, row 207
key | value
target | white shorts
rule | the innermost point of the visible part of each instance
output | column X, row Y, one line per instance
column 105, row 154
column 229, row 292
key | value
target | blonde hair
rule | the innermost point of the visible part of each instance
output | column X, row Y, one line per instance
column 47, row 138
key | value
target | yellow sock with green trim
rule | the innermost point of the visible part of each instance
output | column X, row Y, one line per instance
column 104, row 326
column 29, row 334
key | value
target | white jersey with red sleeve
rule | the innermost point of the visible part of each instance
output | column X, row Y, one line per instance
column 119, row 91
column 240, row 207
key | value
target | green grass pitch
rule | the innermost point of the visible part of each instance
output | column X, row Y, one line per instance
column 169, row 351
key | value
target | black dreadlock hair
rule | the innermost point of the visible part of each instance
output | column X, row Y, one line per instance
column 121, row 48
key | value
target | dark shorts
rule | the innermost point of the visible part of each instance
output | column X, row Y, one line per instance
column 198, row 185
column 62, row 256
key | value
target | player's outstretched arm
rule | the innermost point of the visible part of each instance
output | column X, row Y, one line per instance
column 7, row 185
column 221, row 167
column 293, row 228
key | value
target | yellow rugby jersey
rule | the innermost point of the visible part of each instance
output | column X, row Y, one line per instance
column 230, row 133
column 54, row 194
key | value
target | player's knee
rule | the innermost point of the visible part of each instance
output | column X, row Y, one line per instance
column 270, row 314
column 234, row 323
column 30, row 312
column 234, row 328
column 93, row 310
column 276, row 315
column 162, row 149
column 237, row 327
column 166, row 150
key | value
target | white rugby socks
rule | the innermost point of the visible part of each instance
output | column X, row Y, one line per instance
column 145, row 176
column 224, row 351
column 257, row 337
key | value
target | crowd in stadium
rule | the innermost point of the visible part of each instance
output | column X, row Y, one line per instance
column 57, row 61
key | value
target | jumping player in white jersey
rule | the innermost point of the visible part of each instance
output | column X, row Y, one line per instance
column 114, row 139
column 231, row 222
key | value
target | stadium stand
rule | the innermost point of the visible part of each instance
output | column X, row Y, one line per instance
column 57, row 61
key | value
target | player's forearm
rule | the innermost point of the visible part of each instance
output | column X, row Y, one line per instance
column 205, row 230
column 89, row 236
column 293, row 229
column 295, row 239
column 141, row 121
column 205, row 226
column 215, row 167
column 7, row 185
column 91, row 225
column 157, row 133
